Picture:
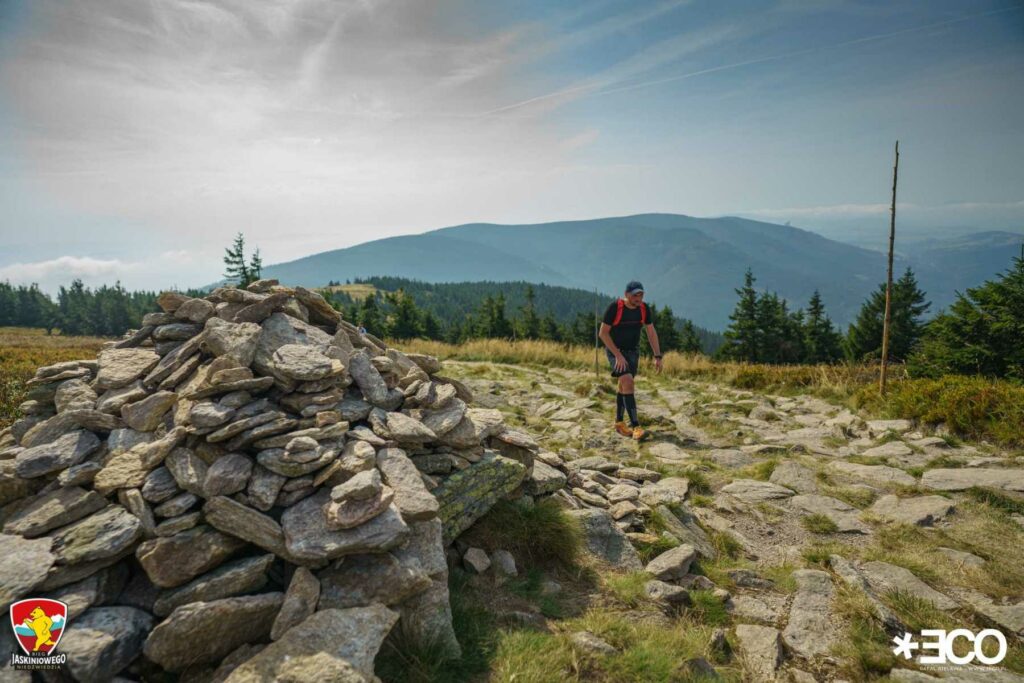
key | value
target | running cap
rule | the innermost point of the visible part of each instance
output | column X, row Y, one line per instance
column 633, row 287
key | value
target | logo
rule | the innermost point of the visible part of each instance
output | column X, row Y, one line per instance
column 38, row 625
column 942, row 644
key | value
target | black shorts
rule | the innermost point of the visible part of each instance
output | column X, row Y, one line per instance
column 632, row 362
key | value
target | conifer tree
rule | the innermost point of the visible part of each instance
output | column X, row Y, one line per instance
column 743, row 338
column 371, row 318
column 981, row 333
column 405, row 320
column 822, row 343
column 864, row 337
column 529, row 321
column 236, row 269
column 689, row 341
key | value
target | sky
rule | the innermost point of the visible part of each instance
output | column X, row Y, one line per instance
column 137, row 137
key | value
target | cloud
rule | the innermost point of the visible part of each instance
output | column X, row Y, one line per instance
column 165, row 269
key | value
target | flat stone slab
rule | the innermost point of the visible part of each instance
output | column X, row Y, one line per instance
column 748, row 608
column 754, row 491
column 960, row 479
column 760, row 650
column 308, row 538
column 811, row 629
column 794, row 476
column 669, row 452
column 893, row 449
column 844, row 516
column 884, row 577
column 919, row 510
column 23, row 565
column 605, row 540
column 880, row 427
column 962, row 558
column 875, row 474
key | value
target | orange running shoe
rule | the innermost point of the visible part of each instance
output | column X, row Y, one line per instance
column 623, row 428
column 638, row 433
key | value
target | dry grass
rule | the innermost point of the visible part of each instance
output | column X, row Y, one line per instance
column 22, row 351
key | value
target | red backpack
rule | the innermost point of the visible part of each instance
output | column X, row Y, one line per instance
column 622, row 305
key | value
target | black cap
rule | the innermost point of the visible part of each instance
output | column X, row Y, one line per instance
column 633, row 287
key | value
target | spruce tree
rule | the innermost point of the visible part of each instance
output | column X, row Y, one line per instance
column 529, row 321
column 235, row 267
column 689, row 340
column 864, row 337
column 822, row 343
column 743, row 338
column 371, row 318
column 405, row 319
column 981, row 333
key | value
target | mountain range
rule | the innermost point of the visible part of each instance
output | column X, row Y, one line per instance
column 692, row 264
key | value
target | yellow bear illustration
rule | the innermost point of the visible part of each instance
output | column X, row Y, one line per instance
column 41, row 624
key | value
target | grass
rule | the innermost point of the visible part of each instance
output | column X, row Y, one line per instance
column 865, row 651
column 819, row 524
column 857, row 496
column 761, row 471
column 539, row 535
column 627, row 588
column 22, row 351
column 996, row 499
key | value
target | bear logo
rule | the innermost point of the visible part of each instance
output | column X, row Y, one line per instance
column 38, row 624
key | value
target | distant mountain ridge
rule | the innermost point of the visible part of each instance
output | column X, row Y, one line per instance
column 692, row 264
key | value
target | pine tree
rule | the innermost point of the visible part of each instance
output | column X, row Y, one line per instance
column 235, row 267
column 743, row 337
column 529, row 321
column 371, row 318
column 864, row 337
column 822, row 343
column 665, row 323
column 405, row 322
column 981, row 333
column 550, row 329
column 689, row 341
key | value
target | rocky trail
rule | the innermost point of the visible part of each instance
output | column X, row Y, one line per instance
column 248, row 489
column 813, row 502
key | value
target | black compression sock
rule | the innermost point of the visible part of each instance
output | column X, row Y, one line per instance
column 620, row 406
column 630, row 401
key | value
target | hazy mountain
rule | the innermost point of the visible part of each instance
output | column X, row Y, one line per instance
column 692, row 264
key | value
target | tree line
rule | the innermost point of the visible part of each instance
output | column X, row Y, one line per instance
column 979, row 334
column 102, row 312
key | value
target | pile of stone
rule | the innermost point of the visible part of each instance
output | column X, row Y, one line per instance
column 247, row 489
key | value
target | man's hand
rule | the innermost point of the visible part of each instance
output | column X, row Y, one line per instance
column 657, row 364
column 620, row 362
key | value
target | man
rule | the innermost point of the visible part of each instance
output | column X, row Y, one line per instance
column 620, row 332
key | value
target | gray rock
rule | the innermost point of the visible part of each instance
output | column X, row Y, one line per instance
column 794, row 476
column 231, row 517
column 411, row 496
column 207, row 414
column 427, row 619
column 893, row 449
column 682, row 525
column 754, row 491
column 178, row 505
column 616, row 494
column 475, row 560
column 159, row 486
column 400, row 427
column 78, row 475
column 426, row 547
column 24, row 565
column 101, row 535
column 467, row 495
column 104, row 641
column 133, row 501
column 844, row 516
column 99, row 589
column 235, row 340
column 883, row 577
column 113, row 400
column 301, row 362
column 361, row 486
column 351, row 513
column 188, row 470
column 672, row 564
column 360, row 580
column 919, row 510
column 350, row 636
column 123, row 440
column 74, row 394
column 880, row 427
column 962, row 558
column 604, row 540
column 227, row 475
column 68, row 450
column 960, row 479
column 121, row 367
column 206, row 632
column 660, row 591
column 308, row 539
column 667, row 491
column 300, row 602
column 264, row 487
column 175, row 525
column 280, row 329
column 173, row 561
column 749, row 608
column 367, row 378
column 875, row 474
column 504, row 564
column 54, row 509
column 811, row 630
column 589, row 644
column 760, row 650
column 129, row 470
column 147, row 414
column 238, row 577
column 176, row 331
column 854, row 578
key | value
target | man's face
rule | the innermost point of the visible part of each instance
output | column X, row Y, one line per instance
column 635, row 298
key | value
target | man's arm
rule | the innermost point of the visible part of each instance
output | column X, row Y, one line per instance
column 652, row 338
column 604, row 334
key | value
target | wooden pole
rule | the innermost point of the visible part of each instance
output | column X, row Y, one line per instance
column 888, row 280
column 597, row 327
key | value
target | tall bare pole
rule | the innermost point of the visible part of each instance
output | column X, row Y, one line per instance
column 888, row 280
column 596, row 328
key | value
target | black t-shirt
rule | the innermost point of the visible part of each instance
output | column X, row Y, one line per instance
column 626, row 334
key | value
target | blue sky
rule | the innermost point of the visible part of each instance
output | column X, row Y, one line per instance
column 136, row 137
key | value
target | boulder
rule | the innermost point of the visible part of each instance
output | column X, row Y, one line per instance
column 605, row 541
column 104, row 641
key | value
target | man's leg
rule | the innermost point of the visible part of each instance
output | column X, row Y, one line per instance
column 626, row 389
column 620, row 406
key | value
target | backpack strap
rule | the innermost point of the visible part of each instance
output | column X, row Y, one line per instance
column 618, row 312
column 643, row 314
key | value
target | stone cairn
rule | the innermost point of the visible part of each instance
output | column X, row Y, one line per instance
column 245, row 489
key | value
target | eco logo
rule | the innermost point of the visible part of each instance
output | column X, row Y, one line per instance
column 941, row 643
column 38, row 625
